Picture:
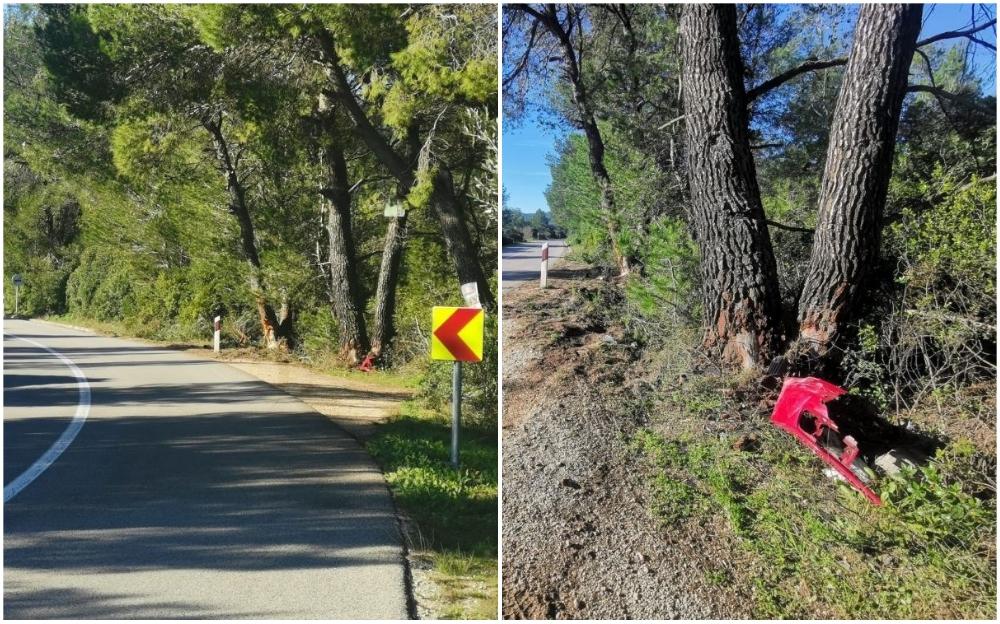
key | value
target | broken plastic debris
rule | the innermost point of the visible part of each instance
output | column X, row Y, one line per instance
column 801, row 411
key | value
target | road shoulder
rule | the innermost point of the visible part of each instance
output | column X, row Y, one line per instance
column 579, row 533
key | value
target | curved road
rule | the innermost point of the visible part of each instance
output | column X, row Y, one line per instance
column 192, row 490
column 521, row 263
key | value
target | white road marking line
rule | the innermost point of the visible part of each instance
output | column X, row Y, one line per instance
column 13, row 488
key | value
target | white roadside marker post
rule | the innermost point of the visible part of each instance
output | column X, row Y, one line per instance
column 545, row 263
column 18, row 280
column 217, row 339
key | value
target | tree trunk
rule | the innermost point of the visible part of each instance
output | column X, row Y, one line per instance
column 385, row 295
column 347, row 302
column 238, row 207
column 742, row 305
column 609, row 209
column 588, row 122
column 858, row 167
column 457, row 239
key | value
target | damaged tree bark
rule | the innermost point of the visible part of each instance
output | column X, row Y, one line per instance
column 272, row 329
column 858, row 167
column 742, row 305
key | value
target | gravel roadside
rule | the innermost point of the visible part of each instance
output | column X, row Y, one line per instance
column 580, row 540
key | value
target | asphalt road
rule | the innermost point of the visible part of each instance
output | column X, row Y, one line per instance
column 191, row 490
column 521, row 263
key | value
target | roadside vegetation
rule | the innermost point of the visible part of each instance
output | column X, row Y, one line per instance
column 452, row 512
column 816, row 548
column 726, row 265
column 319, row 176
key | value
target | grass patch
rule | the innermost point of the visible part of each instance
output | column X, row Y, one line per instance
column 818, row 548
column 454, row 512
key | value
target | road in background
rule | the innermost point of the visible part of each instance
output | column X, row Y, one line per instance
column 521, row 263
column 191, row 491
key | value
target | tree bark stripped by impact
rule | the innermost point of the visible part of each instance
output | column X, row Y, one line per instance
column 742, row 307
column 858, row 167
column 270, row 326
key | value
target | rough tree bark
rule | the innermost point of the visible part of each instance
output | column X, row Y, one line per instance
column 346, row 298
column 858, row 167
column 458, row 241
column 742, row 305
column 549, row 18
column 271, row 328
column 385, row 294
column 444, row 202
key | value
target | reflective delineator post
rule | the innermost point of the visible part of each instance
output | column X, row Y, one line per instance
column 545, row 263
column 456, row 411
column 218, row 334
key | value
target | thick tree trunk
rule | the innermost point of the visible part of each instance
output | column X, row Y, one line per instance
column 858, row 167
column 345, row 291
column 385, row 295
column 742, row 305
column 270, row 327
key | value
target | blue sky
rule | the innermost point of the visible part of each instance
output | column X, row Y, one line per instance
column 527, row 145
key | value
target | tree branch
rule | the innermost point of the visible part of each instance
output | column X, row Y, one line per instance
column 366, row 130
column 782, row 78
column 790, row 228
column 933, row 90
column 952, row 34
column 522, row 64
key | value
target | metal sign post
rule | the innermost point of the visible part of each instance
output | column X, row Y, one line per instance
column 456, row 411
column 457, row 336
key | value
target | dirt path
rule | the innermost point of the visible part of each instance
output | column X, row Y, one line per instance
column 580, row 539
column 354, row 405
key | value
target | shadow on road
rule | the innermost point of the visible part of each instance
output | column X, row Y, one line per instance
column 213, row 476
column 72, row 604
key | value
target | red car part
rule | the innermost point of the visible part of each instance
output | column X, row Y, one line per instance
column 801, row 411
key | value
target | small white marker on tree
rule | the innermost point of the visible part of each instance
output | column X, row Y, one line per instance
column 218, row 334
column 545, row 263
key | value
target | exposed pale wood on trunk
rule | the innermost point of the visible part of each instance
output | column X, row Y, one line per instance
column 858, row 167
column 270, row 327
column 742, row 308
